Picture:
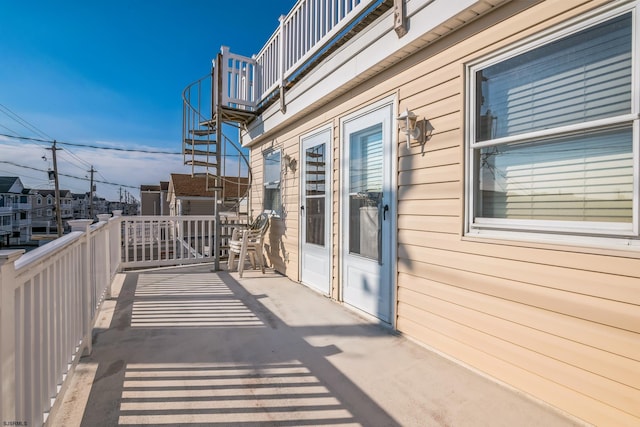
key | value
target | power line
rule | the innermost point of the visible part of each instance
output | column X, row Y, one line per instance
column 27, row 138
column 10, row 130
column 98, row 147
column 22, row 175
column 130, row 150
column 68, row 176
column 75, row 164
column 14, row 116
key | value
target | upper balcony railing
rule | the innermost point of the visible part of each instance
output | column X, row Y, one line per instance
column 304, row 35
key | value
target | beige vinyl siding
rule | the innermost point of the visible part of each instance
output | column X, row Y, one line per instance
column 281, row 242
column 559, row 322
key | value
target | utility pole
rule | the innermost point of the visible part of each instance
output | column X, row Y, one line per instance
column 57, row 188
column 91, row 194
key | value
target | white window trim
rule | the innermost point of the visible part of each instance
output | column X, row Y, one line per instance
column 266, row 153
column 598, row 233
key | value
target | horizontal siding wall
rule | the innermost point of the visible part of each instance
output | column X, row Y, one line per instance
column 562, row 324
column 559, row 323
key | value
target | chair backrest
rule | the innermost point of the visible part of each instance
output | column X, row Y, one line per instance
column 261, row 223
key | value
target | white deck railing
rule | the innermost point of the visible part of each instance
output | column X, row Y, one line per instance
column 305, row 32
column 50, row 296
column 48, row 301
column 238, row 77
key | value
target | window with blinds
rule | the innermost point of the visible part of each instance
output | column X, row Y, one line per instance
column 271, row 181
column 555, row 131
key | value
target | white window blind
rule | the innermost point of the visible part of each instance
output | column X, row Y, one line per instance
column 582, row 77
column 578, row 178
column 365, row 166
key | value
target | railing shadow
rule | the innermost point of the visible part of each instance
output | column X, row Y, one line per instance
column 198, row 349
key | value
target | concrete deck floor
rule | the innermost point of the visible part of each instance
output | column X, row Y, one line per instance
column 191, row 347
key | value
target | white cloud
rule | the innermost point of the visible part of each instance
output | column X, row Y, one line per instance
column 123, row 168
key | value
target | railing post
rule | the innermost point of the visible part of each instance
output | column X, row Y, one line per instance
column 84, row 225
column 7, row 336
column 283, row 105
column 107, row 252
column 216, row 236
column 119, row 243
column 107, row 236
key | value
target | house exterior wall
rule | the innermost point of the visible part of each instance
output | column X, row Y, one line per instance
column 151, row 203
column 191, row 206
column 560, row 322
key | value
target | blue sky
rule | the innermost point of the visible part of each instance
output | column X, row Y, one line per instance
column 112, row 73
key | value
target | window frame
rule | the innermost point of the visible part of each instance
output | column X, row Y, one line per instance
column 265, row 154
column 549, row 229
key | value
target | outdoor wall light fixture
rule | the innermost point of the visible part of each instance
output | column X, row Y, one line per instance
column 409, row 123
column 290, row 163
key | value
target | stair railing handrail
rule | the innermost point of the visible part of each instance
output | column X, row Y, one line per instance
column 193, row 116
column 186, row 99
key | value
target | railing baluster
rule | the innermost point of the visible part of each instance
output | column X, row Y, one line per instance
column 29, row 327
column 51, row 332
column 41, row 348
column 166, row 239
column 143, row 239
column 19, row 355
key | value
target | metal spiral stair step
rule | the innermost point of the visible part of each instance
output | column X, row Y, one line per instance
column 201, row 163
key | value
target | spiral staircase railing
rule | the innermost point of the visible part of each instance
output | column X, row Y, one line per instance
column 200, row 149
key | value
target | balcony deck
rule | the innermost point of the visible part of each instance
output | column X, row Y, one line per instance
column 188, row 346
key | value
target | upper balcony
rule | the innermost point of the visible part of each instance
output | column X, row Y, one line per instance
column 310, row 32
column 323, row 48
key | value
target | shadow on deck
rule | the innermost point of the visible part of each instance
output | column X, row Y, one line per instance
column 193, row 347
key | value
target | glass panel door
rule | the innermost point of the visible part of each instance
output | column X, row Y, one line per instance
column 315, row 211
column 366, row 238
column 365, row 192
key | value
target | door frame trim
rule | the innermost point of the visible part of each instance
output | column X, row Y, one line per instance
column 310, row 134
column 388, row 101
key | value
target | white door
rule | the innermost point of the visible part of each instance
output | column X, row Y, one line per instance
column 366, row 212
column 315, row 211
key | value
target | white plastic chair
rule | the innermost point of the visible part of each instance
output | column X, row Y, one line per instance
column 249, row 242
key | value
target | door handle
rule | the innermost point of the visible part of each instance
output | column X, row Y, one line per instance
column 301, row 210
column 384, row 212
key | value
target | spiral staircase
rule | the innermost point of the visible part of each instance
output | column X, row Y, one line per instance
column 213, row 106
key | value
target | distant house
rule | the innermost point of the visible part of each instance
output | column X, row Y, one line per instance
column 80, row 205
column 188, row 195
column 100, row 205
column 44, row 209
column 15, row 211
column 154, row 200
